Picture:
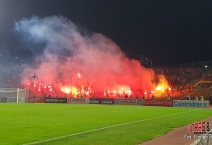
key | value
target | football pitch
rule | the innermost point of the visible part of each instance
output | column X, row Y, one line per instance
column 80, row 124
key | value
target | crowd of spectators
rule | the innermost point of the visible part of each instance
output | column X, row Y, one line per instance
column 184, row 80
column 181, row 76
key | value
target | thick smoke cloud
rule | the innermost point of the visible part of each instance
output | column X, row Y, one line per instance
column 68, row 57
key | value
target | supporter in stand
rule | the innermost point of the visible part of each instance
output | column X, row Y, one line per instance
column 118, row 96
column 168, row 97
column 202, row 98
column 144, row 97
column 106, row 96
column 196, row 98
column 153, row 97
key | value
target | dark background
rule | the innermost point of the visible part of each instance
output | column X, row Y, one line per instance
column 166, row 31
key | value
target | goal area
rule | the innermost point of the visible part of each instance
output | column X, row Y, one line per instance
column 13, row 95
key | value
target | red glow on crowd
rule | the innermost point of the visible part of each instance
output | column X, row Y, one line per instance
column 97, row 86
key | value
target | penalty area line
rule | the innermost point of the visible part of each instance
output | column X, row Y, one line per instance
column 117, row 125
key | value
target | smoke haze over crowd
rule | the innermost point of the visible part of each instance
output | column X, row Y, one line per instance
column 68, row 56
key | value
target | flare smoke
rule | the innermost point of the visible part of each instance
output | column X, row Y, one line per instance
column 67, row 51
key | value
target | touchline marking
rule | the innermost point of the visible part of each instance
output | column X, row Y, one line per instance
column 122, row 124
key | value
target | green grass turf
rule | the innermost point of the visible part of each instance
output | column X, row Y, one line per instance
column 26, row 123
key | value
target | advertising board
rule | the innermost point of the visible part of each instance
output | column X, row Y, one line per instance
column 78, row 100
column 101, row 101
column 191, row 103
column 3, row 100
column 35, row 100
column 127, row 101
column 139, row 102
column 168, row 103
column 55, row 100
column 12, row 100
column 116, row 101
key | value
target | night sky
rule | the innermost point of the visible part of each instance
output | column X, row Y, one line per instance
column 169, row 32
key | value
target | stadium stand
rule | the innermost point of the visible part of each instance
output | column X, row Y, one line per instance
column 192, row 80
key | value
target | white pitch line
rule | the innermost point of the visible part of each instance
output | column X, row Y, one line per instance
column 88, row 131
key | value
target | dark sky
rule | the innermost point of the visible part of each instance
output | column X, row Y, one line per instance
column 168, row 31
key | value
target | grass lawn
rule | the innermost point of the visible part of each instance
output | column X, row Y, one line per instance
column 27, row 123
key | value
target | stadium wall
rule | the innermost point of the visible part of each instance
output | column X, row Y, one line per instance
column 161, row 102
